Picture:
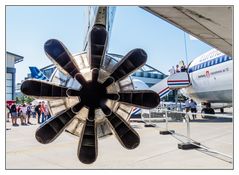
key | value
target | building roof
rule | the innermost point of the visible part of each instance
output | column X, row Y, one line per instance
column 18, row 58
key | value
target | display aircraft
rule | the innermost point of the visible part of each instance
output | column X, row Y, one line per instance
column 211, row 78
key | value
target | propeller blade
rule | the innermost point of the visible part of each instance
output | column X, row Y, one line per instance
column 131, row 62
column 127, row 136
column 113, row 96
column 88, row 146
column 140, row 98
column 98, row 44
column 95, row 75
column 60, row 55
column 52, row 128
column 108, row 82
column 43, row 89
column 77, row 107
column 107, row 111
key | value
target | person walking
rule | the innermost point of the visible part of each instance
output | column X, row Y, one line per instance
column 193, row 106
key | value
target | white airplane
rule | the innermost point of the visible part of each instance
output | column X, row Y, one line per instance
column 208, row 80
column 211, row 78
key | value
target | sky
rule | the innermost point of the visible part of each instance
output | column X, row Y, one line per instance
column 29, row 27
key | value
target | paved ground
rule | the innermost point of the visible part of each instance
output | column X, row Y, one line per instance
column 154, row 152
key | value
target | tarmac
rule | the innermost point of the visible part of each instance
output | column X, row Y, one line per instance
column 155, row 151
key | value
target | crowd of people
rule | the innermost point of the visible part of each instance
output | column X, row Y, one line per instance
column 25, row 112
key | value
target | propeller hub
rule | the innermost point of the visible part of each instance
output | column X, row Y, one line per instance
column 93, row 94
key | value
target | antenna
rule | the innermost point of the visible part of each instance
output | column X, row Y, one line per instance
column 185, row 47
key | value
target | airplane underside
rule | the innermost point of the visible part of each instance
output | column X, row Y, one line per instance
column 222, row 96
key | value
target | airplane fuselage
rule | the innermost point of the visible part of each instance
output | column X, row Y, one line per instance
column 211, row 76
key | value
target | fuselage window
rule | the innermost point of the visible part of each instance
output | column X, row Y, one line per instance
column 220, row 60
column 212, row 62
column 208, row 63
column 225, row 58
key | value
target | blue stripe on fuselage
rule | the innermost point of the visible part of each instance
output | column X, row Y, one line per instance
column 209, row 63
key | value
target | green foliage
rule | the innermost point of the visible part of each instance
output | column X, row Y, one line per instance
column 29, row 99
column 18, row 100
column 24, row 99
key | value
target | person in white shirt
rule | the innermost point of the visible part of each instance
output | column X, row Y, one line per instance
column 23, row 114
column 177, row 68
column 187, row 105
column 172, row 70
column 193, row 106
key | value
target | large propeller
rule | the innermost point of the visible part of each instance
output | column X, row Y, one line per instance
column 92, row 94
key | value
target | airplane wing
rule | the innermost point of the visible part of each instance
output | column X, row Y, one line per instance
column 211, row 24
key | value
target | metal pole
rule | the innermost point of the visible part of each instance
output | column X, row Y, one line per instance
column 188, row 127
column 176, row 98
column 185, row 47
column 166, row 117
column 149, row 117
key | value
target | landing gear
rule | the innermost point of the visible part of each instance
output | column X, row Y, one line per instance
column 207, row 110
column 222, row 110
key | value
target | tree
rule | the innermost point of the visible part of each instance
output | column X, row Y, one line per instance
column 28, row 99
column 24, row 99
column 17, row 100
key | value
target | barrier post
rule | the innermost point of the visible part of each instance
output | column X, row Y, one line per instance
column 166, row 132
column 189, row 144
column 149, row 124
column 188, row 127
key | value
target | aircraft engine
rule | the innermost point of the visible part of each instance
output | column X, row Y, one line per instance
column 90, row 95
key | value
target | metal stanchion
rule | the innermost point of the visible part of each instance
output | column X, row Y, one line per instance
column 189, row 144
column 166, row 132
column 149, row 124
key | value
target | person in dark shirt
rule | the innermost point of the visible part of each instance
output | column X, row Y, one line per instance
column 29, row 113
column 13, row 111
column 38, row 112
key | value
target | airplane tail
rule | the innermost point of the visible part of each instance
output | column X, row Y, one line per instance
column 37, row 74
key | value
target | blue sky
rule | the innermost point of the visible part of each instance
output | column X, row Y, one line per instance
column 29, row 27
